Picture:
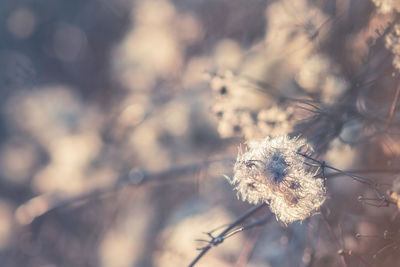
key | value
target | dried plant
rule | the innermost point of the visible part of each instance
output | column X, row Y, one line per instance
column 272, row 171
column 113, row 146
column 324, row 103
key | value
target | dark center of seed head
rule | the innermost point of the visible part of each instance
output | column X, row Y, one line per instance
column 223, row 90
column 278, row 167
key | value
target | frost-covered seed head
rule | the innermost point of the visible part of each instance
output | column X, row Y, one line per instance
column 272, row 171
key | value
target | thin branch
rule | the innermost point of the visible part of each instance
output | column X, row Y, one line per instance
column 258, row 222
column 364, row 171
column 384, row 249
column 393, row 107
column 219, row 239
column 43, row 204
column 248, row 248
column 359, row 257
column 362, row 179
column 214, row 241
column 335, row 239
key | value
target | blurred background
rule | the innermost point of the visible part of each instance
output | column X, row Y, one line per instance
column 98, row 95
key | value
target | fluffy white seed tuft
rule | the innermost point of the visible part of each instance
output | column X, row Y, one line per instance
column 272, row 171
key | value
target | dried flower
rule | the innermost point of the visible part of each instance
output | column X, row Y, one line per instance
column 253, row 125
column 237, row 106
column 392, row 42
column 274, row 121
column 273, row 171
column 387, row 6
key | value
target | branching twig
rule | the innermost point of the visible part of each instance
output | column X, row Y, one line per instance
column 220, row 238
column 362, row 179
column 214, row 241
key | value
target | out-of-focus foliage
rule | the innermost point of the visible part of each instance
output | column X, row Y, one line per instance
column 91, row 91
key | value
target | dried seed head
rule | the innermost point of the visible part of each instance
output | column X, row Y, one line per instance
column 392, row 42
column 272, row 171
